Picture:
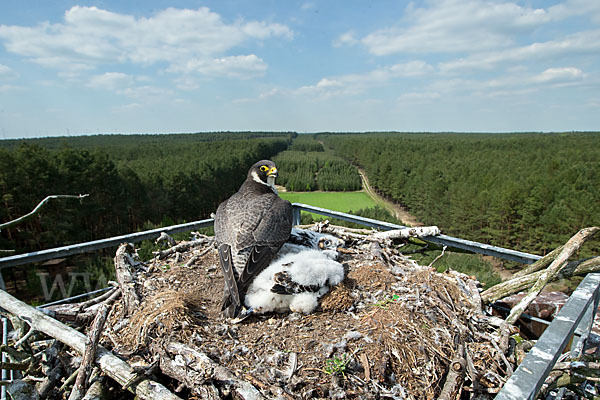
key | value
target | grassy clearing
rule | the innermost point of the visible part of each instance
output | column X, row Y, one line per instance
column 337, row 201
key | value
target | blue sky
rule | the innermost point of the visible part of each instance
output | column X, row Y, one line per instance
column 90, row 67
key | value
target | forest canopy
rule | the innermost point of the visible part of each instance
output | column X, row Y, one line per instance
column 527, row 191
column 132, row 180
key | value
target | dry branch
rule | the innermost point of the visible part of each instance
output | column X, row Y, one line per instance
column 125, row 277
column 38, row 207
column 569, row 248
column 405, row 233
column 518, row 284
column 113, row 366
column 455, row 378
column 195, row 369
column 539, row 264
column 97, row 391
column 87, row 362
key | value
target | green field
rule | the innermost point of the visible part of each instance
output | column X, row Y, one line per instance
column 337, row 201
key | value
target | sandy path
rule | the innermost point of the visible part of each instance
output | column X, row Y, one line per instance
column 398, row 211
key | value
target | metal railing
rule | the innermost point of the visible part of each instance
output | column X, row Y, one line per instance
column 468, row 245
column 574, row 321
column 576, row 317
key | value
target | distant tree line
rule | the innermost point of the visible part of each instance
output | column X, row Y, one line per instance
column 524, row 191
column 308, row 171
column 132, row 181
column 306, row 166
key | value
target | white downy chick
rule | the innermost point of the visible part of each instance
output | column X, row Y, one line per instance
column 303, row 239
column 294, row 282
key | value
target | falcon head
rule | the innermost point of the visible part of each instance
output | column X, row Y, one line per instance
column 264, row 172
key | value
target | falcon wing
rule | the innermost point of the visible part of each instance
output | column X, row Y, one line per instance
column 271, row 232
column 285, row 285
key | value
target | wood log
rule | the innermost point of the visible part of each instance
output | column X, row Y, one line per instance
column 52, row 378
column 539, row 264
column 125, row 277
column 516, row 285
column 405, row 233
column 113, row 366
column 194, row 369
column 97, row 391
column 570, row 247
column 455, row 378
column 180, row 247
column 89, row 355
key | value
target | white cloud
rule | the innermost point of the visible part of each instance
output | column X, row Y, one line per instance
column 146, row 93
column 418, row 97
column 111, row 81
column 345, row 39
column 581, row 43
column 356, row 83
column 559, row 75
column 90, row 36
column 7, row 73
column 570, row 8
column 232, row 67
column 447, row 26
column 9, row 88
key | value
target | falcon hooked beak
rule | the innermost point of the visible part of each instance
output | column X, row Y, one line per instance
column 271, row 175
column 272, row 172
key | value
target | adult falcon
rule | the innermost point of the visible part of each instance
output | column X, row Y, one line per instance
column 250, row 228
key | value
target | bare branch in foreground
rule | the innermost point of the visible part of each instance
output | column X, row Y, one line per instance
column 37, row 208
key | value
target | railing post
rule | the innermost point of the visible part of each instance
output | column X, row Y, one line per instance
column 296, row 216
column 527, row 380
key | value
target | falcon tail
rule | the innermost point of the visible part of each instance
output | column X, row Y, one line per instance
column 231, row 297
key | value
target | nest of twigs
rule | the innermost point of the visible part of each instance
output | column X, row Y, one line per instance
column 391, row 328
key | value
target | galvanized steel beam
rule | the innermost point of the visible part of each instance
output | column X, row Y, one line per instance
column 527, row 380
column 445, row 240
column 79, row 248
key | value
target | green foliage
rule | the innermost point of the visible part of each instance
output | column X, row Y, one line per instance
column 308, row 171
column 524, row 191
column 337, row 201
column 306, row 143
column 336, row 365
column 470, row 264
column 131, row 180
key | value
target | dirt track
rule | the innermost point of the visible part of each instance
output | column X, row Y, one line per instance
column 398, row 211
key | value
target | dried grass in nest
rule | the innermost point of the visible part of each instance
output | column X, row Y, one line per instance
column 161, row 315
column 414, row 336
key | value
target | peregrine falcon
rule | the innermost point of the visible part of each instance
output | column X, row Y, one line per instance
column 250, row 228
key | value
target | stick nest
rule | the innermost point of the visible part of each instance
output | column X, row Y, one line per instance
column 391, row 329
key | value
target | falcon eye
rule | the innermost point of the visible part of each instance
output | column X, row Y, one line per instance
column 264, row 168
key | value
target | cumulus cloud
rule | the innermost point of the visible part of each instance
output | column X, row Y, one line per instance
column 111, row 81
column 234, row 66
column 448, row 26
column 90, row 36
column 356, row 83
column 7, row 73
column 580, row 43
column 559, row 75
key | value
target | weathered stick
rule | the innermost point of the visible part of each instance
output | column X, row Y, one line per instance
column 516, row 285
column 194, row 368
column 539, row 264
column 97, row 391
column 405, row 233
column 455, row 378
column 113, row 366
column 89, row 355
column 570, row 247
column 180, row 247
column 37, row 208
column 125, row 278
